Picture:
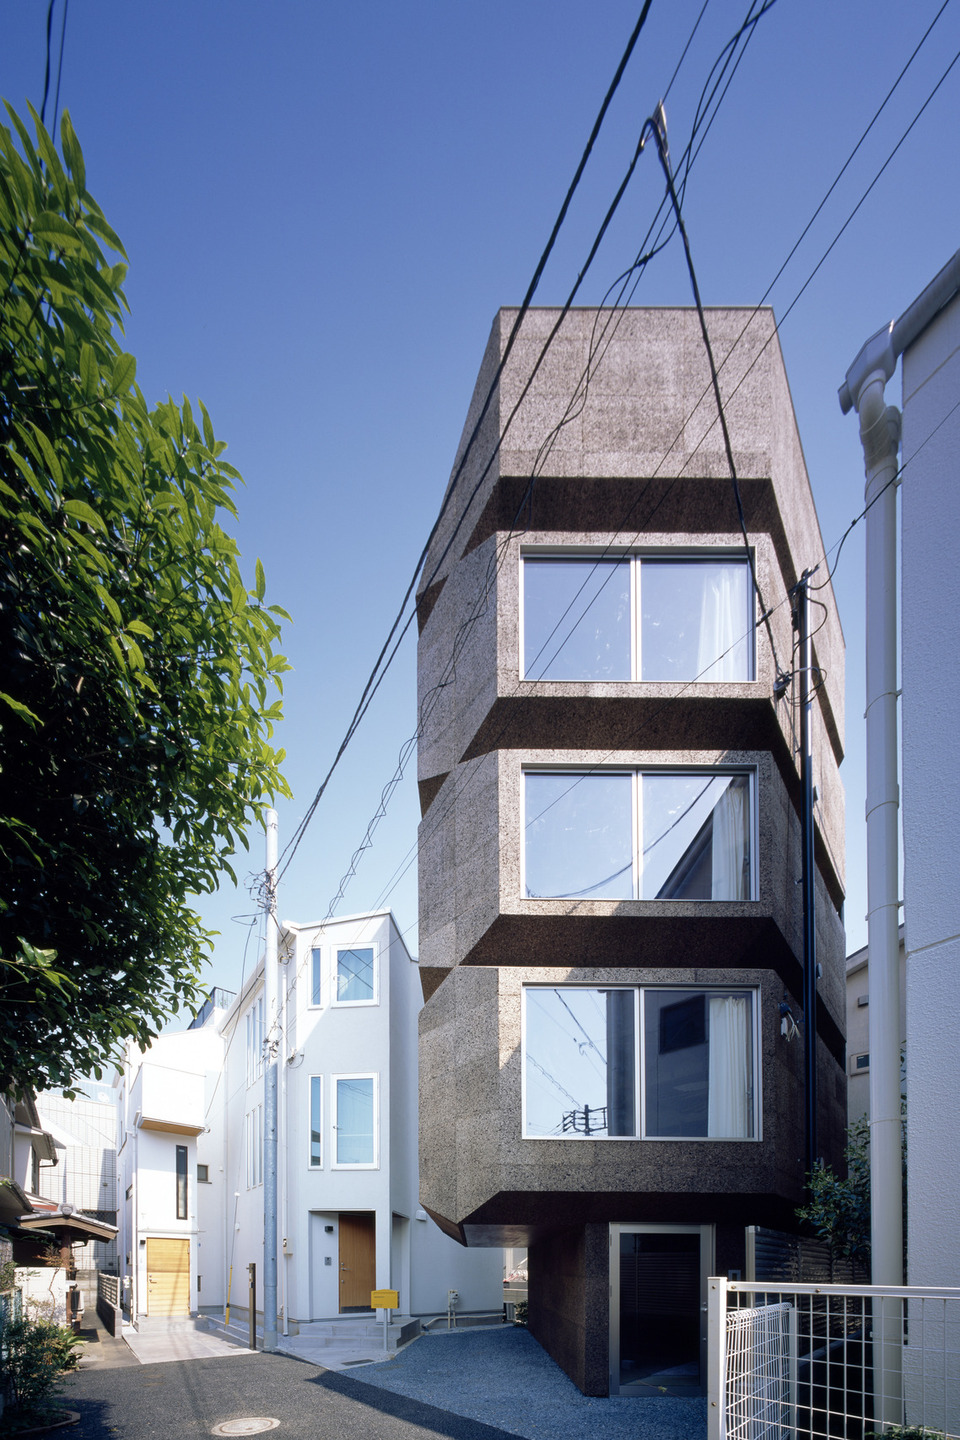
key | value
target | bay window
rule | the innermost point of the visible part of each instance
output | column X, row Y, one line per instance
column 626, row 1062
column 668, row 618
column 607, row 834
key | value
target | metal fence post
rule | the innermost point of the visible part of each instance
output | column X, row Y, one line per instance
column 252, row 1304
column 716, row 1357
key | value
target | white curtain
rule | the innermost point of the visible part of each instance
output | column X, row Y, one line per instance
column 729, row 1108
column 729, row 876
column 722, row 648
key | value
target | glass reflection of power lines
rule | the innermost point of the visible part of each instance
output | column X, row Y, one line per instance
column 586, row 1121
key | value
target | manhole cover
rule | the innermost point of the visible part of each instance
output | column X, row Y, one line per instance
column 249, row 1425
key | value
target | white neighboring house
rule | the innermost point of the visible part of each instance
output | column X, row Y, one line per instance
column 349, row 1216
column 167, row 1097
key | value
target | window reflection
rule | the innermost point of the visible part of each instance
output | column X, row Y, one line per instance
column 698, row 1064
column 355, row 976
column 581, row 1064
column 696, row 833
column 695, row 618
column 576, row 619
column 355, row 1120
column 579, row 831
column 695, row 829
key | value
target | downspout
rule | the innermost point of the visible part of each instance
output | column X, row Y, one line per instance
column 880, row 437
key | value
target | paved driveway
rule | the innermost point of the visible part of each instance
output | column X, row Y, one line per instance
column 183, row 1400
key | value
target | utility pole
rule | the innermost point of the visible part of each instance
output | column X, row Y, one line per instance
column 801, row 620
column 271, row 1048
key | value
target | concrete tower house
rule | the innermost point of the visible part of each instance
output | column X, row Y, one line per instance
column 611, row 917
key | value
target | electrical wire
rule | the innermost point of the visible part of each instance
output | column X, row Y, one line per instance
column 747, row 27
column 372, row 683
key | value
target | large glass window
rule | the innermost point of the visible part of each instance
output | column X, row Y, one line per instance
column 622, row 835
column 584, row 1052
column 637, row 617
column 356, row 1122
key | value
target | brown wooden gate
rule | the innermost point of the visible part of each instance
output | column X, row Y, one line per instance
column 168, row 1277
column 358, row 1260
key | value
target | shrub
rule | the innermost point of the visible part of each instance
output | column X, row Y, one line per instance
column 33, row 1353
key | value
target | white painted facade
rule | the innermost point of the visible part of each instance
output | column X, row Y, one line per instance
column 347, row 1091
column 931, row 791
column 331, row 1041
column 167, row 1097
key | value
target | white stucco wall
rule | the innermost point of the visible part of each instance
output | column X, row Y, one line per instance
column 330, row 1040
column 931, row 791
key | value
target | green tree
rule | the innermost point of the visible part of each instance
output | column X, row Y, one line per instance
column 838, row 1211
column 136, row 669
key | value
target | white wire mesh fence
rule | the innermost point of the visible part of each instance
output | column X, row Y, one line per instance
column 832, row 1362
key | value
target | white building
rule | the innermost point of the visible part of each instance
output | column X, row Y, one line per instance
column 927, row 337
column 931, row 786
column 168, row 1096
column 349, row 1217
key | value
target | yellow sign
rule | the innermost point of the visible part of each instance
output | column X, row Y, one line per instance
column 385, row 1300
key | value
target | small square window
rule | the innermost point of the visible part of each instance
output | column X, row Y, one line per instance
column 203, row 1174
column 355, row 977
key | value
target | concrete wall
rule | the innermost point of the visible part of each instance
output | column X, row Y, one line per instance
column 635, row 463
column 931, row 788
column 569, row 1305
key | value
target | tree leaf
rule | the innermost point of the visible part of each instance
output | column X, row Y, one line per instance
column 80, row 510
column 22, row 710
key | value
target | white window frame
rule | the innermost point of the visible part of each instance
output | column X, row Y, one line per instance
column 254, row 1147
column 637, row 772
column 640, row 1060
column 317, row 978
column 336, row 1164
column 636, row 558
column 338, row 1004
column 323, row 974
column 256, row 1039
column 310, row 1131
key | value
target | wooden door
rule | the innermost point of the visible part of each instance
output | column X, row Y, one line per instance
column 358, row 1260
column 168, row 1277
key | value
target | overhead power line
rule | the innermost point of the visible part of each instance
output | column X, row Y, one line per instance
column 371, row 682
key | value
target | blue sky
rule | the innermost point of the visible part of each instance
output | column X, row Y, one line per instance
column 324, row 206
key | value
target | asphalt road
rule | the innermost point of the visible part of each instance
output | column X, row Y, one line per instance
column 188, row 1398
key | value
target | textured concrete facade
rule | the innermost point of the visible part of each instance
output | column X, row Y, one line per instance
column 629, row 462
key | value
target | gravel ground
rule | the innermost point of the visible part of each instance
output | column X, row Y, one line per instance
column 503, row 1378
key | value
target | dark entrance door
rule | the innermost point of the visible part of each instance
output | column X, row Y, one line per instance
column 659, row 1320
